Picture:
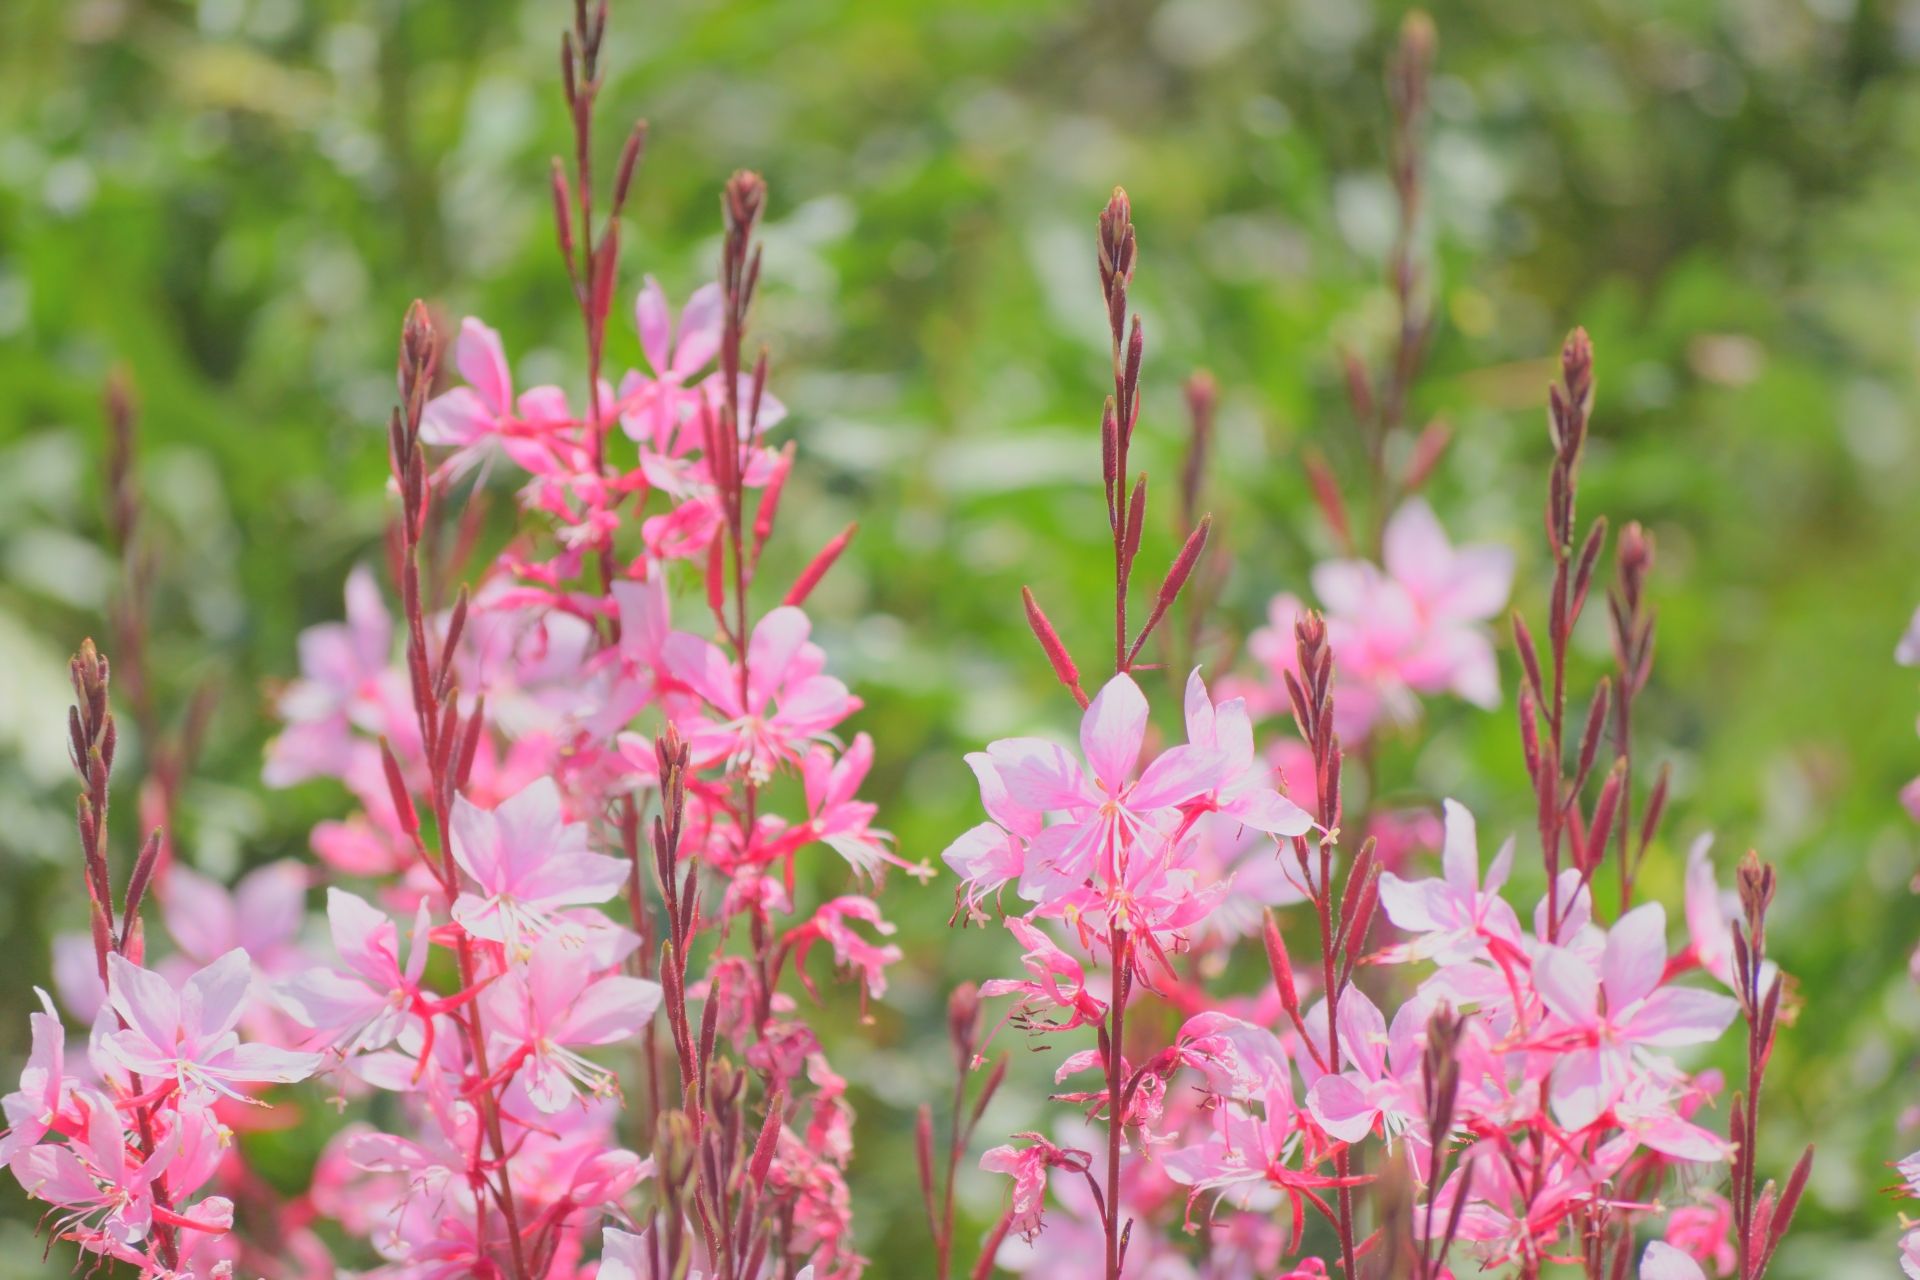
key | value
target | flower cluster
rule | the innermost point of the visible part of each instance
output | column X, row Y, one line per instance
column 566, row 918
column 1414, row 624
column 124, row 1139
column 1508, row 1084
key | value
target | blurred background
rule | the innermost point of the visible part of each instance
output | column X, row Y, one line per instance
column 236, row 199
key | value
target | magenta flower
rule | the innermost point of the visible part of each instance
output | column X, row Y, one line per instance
column 833, row 923
column 652, row 409
column 1704, row 1233
column 1601, row 1015
column 186, row 1034
column 527, row 864
column 541, row 1014
column 1028, row 1167
column 1056, row 981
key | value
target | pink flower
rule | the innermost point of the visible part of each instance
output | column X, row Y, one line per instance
column 1596, row 1039
column 651, row 409
column 1415, row 627
column 786, row 702
column 833, row 923
column 1056, row 981
column 186, row 1034
column 32, row 1109
column 1704, row 1233
column 541, row 1013
column 1457, row 916
column 346, row 685
column 838, row 820
column 1247, row 1156
column 366, row 1007
column 483, row 415
column 1028, row 1166
column 991, row 854
column 527, row 863
column 1243, row 787
column 1108, row 811
column 262, row 914
column 101, row 1189
column 1381, row 1089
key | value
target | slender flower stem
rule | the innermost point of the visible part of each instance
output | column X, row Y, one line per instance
column 1116, row 1116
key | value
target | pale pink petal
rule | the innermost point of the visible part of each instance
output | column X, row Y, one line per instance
column 1680, row 1015
column 1363, row 1033
column 1040, row 775
column 985, row 856
column 624, row 1256
column 270, row 904
column 325, row 1000
column 999, row 805
column 655, row 323
column 264, row 1064
column 1481, row 580
column 777, row 640
column 145, row 999
column 1415, row 550
column 577, row 880
column 1568, row 984
column 1341, row 1107
column 547, row 1086
column 612, row 1009
column 1586, row 1082
column 212, row 1000
column 1176, row 775
column 1662, row 1261
column 1679, row 1139
column 364, row 937
column 699, row 337
column 1345, row 586
column 458, row 417
column 1269, row 811
column 474, row 845
column 1460, row 850
column 1636, row 955
column 199, row 914
column 1112, row 730
column 1198, row 708
column 1413, row 905
column 483, row 363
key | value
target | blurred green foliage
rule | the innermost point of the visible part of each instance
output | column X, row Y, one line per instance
column 237, row 198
